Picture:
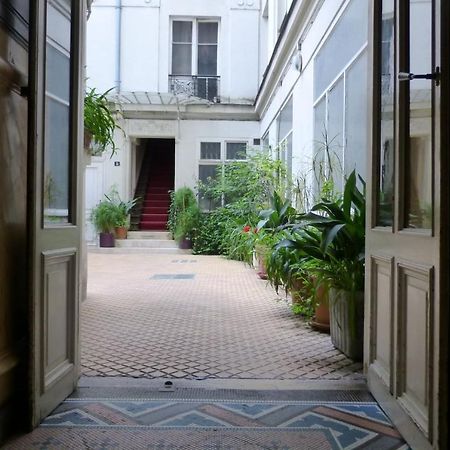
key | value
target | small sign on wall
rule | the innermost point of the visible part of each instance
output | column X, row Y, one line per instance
column 117, row 163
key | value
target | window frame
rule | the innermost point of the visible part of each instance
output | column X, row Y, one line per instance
column 218, row 162
column 194, row 44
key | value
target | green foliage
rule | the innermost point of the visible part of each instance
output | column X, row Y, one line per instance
column 208, row 239
column 247, row 187
column 184, row 214
column 341, row 225
column 99, row 120
column 103, row 217
column 122, row 208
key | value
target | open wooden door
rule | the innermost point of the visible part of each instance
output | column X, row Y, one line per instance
column 405, row 351
column 55, row 201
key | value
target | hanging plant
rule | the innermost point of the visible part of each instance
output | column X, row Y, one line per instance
column 99, row 122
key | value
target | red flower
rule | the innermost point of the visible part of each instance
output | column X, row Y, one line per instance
column 246, row 229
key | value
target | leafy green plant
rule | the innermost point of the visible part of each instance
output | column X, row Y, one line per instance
column 247, row 188
column 99, row 120
column 209, row 237
column 122, row 208
column 341, row 225
column 103, row 216
column 184, row 214
column 280, row 213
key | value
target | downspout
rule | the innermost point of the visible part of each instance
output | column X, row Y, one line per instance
column 118, row 81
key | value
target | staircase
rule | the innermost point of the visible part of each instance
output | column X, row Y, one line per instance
column 159, row 167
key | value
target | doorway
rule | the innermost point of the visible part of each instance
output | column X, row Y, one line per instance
column 154, row 170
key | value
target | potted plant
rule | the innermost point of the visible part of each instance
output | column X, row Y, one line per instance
column 99, row 123
column 184, row 216
column 122, row 213
column 103, row 217
column 293, row 264
column 342, row 226
column 271, row 221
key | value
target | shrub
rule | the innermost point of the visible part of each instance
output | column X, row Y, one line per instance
column 184, row 214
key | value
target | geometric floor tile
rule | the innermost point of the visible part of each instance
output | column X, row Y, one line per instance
column 213, row 424
column 203, row 318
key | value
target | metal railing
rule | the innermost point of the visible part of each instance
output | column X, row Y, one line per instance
column 206, row 87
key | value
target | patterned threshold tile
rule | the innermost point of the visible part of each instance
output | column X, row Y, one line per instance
column 213, row 424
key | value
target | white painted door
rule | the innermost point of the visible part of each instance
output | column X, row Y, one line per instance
column 403, row 325
column 55, row 159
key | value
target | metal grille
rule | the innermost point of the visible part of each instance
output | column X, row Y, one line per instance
column 206, row 87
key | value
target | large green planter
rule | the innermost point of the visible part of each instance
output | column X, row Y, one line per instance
column 347, row 322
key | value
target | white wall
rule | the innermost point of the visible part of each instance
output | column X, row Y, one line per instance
column 300, row 86
column 146, row 43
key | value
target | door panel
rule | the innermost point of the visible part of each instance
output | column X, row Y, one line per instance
column 381, row 313
column 55, row 135
column 403, row 224
column 415, row 325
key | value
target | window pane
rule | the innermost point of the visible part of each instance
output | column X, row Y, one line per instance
column 58, row 73
column 285, row 121
column 207, row 32
column 334, row 138
column 418, row 170
column 386, row 144
column 210, row 150
column 320, row 135
column 205, row 173
column 182, row 32
column 56, row 185
column 356, row 117
column 348, row 36
column 207, row 59
column 57, row 148
column 181, row 59
column 236, row 150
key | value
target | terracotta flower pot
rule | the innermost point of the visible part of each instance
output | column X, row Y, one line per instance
column 261, row 255
column 321, row 319
column 106, row 240
column 121, row 232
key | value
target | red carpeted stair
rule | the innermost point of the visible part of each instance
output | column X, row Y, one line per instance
column 155, row 210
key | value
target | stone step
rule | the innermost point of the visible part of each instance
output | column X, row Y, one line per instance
column 137, row 250
column 159, row 235
column 146, row 243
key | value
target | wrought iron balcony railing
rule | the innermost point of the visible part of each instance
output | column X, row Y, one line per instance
column 201, row 86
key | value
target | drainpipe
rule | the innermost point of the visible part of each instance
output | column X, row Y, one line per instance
column 118, row 80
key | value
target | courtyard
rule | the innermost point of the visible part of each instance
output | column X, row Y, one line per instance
column 197, row 317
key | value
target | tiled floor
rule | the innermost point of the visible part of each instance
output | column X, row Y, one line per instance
column 291, row 422
column 156, row 315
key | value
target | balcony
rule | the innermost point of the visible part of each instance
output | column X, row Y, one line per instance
column 200, row 86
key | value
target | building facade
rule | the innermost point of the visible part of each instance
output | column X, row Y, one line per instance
column 290, row 75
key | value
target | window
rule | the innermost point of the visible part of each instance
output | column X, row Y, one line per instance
column 340, row 96
column 214, row 155
column 236, row 150
column 195, row 58
column 284, row 136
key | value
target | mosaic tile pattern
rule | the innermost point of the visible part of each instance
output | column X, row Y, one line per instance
column 187, row 424
column 144, row 318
